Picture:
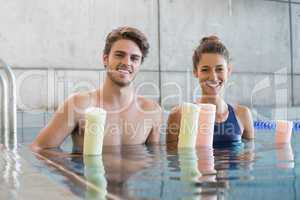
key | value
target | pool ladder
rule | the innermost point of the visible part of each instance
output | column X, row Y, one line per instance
column 8, row 105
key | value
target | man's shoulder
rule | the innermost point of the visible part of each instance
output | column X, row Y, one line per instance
column 81, row 99
column 83, row 95
column 148, row 104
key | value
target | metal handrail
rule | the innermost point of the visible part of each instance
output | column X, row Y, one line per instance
column 4, row 111
column 4, row 95
column 9, row 102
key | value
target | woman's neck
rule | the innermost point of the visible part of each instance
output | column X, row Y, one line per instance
column 221, row 106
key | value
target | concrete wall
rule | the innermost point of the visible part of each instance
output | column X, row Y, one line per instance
column 54, row 47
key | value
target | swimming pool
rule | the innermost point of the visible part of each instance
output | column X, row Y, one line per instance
column 250, row 170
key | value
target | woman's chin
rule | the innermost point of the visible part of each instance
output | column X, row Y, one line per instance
column 210, row 95
column 211, row 92
column 208, row 91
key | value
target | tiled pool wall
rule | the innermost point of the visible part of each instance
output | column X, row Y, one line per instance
column 54, row 58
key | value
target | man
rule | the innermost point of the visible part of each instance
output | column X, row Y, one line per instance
column 131, row 119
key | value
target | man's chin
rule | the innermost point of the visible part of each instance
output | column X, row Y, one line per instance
column 122, row 83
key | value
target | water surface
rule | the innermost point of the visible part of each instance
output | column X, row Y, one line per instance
column 250, row 170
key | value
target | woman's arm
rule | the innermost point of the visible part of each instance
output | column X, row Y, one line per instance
column 173, row 125
column 245, row 117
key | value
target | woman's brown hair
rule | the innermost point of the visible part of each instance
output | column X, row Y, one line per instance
column 209, row 44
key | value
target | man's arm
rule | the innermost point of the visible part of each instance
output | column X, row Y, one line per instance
column 154, row 135
column 173, row 126
column 59, row 127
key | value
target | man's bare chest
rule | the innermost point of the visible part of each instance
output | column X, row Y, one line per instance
column 129, row 128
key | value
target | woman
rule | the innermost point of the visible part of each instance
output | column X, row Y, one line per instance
column 212, row 68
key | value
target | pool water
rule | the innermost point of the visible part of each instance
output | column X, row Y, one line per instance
column 250, row 170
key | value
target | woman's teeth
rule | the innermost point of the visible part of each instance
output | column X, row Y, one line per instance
column 212, row 84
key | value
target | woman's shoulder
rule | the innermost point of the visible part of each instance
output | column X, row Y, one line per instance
column 241, row 110
column 244, row 115
column 176, row 109
column 175, row 114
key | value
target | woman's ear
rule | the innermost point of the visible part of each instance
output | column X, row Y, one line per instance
column 229, row 67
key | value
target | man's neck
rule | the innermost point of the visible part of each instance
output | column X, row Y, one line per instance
column 115, row 95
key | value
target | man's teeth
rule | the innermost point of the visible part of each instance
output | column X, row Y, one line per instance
column 123, row 71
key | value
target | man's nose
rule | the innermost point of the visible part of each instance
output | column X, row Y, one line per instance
column 126, row 60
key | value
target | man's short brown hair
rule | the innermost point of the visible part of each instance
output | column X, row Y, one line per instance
column 127, row 33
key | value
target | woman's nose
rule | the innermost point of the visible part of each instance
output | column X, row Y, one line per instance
column 212, row 76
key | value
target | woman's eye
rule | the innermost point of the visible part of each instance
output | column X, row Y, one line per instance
column 219, row 69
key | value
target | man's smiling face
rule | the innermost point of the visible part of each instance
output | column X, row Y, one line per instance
column 123, row 62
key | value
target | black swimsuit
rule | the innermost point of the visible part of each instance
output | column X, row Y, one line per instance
column 228, row 131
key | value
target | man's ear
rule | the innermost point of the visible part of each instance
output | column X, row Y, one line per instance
column 105, row 59
column 195, row 73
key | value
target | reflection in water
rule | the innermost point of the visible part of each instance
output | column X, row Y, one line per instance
column 87, row 181
column 141, row 172
column 196, row 173
column 10, row 164
column 197, row 170
column 8, row 139
column 189, row 172
column 99, row 177
column 285, row 156
column 94, row 173
column 125, row 174
column 233, row 161
column 206, row 161
column 11, row 169
column 188, row 163
column 4, row 133
column 236, row 156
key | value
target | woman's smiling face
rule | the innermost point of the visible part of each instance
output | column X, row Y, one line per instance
column 212, row 72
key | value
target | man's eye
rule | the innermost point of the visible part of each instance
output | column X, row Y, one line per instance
column 203, row 70
column 220, row 69
column 134, row 58
column 118, row 55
